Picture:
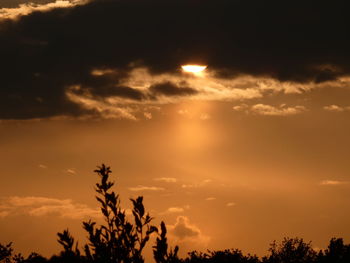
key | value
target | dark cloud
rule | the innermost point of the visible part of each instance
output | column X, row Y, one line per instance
column 171, row 89
column 44, row 53
column 119, row 91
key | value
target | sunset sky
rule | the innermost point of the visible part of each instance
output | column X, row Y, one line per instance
column 251, row 147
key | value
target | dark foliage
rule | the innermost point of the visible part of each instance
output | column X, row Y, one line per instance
column 160, row 250
column 291, row 250
column 5, row 253
column 337, row 252
column 224, row 256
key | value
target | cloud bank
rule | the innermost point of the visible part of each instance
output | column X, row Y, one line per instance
column 110, row 58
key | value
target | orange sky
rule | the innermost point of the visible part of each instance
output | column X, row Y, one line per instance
column 238, row 180
column 253, row 148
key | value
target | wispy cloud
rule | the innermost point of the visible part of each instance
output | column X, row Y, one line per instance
column 205, row 116
column 44, row 206
column 264, row 109
column 71, row 171
column 230, row 204
column 196, row 185
column 241, row 107
column 210, row 198
column 145, row 188
column 107, row 109
column 183, row 112
column 336, row 108
column 175, row 210
column 148, row 115
column 42, row 166
column 166, row 179
column 333, row 182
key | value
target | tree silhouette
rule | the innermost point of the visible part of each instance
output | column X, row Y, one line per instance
column 291, row 250
column 337, row 252
column 6, row 253
column 224, row 256
column 118, row 240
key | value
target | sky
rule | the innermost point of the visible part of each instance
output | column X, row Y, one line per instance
column 249, row 150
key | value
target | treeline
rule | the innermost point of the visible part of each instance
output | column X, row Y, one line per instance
column 119, row 240
column 290, row 250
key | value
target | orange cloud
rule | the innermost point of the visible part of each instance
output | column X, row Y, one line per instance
column 145, row 188
column 333, row 182
column 44, row 206
column 264, row 109
column 27, row 8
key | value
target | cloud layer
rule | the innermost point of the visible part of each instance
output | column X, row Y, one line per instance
column 87, row 59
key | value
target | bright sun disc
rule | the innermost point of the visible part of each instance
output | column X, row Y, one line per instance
column 193, row 68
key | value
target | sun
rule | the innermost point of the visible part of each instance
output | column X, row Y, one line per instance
column 194, row 69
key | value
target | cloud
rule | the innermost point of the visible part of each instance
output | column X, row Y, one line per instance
column 183, row 112
column 184, row 229
column 170, row 89
column 210, row 198
column 175, row 210
column 27, row 8
column 205, row 116
column 241, row 107
column 335, row 108
column 230, row 204
column 333, row 182
column 197, row 185
column 4, row 214
column 71, row 171
column 263, row 109
column 44, row 206
column 103, row 108
column 148, row 115
column 122, row 66
column 166, row 179
column 207, row 181
column 42, row 166
column 145, row 188
column 187, row 234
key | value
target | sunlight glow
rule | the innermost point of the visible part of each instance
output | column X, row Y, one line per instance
column 195, row 69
